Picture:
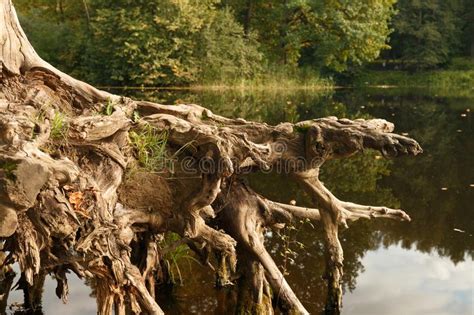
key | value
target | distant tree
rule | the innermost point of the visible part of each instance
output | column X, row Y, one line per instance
column 158, row 42
column 57, row 28
column 175, row 42
column 227, row 51
column 321, row 33
column 469, row 27
column 427, row 32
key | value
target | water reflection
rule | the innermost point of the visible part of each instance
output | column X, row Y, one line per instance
column 422, row 284
column 422, row 267
column 79, row 302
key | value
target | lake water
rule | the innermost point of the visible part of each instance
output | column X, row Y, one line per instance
column 422, row 267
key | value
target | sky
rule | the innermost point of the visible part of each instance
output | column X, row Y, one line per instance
column 398, row 281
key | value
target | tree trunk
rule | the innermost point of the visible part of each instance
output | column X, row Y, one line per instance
column 82, row 210
column 249, row 7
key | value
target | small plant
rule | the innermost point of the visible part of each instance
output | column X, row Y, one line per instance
column 136, row 116
column 8, row 168
column 291, row 246
column 150, row 145
column 58, row 126
column 109, row 108
column 175, row 251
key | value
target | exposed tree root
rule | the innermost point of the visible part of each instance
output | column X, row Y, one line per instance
column 63, row 188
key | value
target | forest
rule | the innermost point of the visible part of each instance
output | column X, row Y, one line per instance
column 252, row 42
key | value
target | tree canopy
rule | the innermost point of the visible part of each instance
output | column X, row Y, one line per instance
column 178, row 42
column 171, row 42
column 427, row 33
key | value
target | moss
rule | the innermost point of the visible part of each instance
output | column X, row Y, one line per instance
column 302, row 128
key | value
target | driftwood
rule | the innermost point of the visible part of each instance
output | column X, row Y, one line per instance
column 65, row 202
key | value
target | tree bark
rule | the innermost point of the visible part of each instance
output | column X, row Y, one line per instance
column 79, row 212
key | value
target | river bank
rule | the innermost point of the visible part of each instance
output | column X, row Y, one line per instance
column 458, row 77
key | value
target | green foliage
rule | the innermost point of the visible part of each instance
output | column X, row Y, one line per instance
column 58, row 30
column 108, row 108
column 59, row 126
column 427, row 33
column 270, row 78
column 175, row 253
column 168, row 43
column 468, row 28
column 441, row 80
column 347, row 32
column 366, row 170
column 319, row 33
column 176, row 42
column 291, row 247
column 135, row 116
column 227, row 53
column 461, row 64
column 248, row 44
column 302, row 128
column 150, row 145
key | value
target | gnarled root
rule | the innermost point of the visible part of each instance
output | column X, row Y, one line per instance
column 333, row 213
column 243, row 218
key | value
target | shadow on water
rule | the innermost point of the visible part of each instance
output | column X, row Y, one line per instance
column 424, row 265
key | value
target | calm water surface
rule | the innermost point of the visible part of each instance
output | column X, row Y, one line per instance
column 422, row 267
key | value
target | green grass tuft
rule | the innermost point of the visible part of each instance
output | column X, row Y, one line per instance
column 175, row 253
column 108, row 108
column 59, row 126
column 135, row 116
column 150, row 145
column 273, row 78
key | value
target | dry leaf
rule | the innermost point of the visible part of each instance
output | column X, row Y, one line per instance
column 76, row 199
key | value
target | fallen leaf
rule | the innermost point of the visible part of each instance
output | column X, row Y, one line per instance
column 75, row 199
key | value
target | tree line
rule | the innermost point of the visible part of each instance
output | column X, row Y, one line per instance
column 181, row 42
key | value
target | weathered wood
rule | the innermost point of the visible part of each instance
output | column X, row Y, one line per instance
column 78, row 212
